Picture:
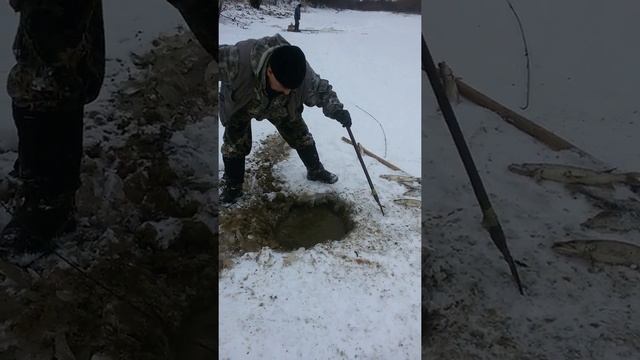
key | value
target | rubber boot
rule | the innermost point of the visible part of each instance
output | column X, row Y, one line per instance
column 315, row 171
column 36, row 222
column 232, row 180
column 49, row 155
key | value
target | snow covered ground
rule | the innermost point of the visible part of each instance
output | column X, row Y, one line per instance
column 583, row 88
column 360, row 297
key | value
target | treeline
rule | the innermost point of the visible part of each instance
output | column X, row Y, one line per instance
column 411, row 6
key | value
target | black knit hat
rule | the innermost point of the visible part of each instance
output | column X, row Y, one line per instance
column 288, row 65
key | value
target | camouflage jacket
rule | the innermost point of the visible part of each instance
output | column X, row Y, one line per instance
column 60, row 53
column 242, row 69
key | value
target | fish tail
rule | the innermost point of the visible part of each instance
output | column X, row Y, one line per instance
column 518, row 169
column 633, row 178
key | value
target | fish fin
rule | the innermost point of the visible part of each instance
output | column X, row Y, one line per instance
column 608, row 186
column 633, row 178
column 537, row 176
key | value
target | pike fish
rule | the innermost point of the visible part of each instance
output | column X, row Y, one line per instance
column 604, row 251
column 408, row 202
column 412, row 193
column 401, row 178
column 449, row 82
column 574, row 175
column 605, row 200
column 622, row 220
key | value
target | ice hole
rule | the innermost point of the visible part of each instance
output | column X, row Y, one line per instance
column 310, row 223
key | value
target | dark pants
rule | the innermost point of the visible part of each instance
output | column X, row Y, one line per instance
column 50, row 150
column 297, row 25
column 237, row 134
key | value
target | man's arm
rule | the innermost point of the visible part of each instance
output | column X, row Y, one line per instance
column 318, row 92
column 229, row 63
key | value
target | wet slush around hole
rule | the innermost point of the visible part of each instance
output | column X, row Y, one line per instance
column 305, row 226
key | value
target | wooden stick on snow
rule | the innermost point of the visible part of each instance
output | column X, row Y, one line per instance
column 543, row 135
column 367, row 152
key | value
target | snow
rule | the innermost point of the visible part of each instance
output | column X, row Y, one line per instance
column 583, row 89
column 8, row 21
column 194, row 149
column 359, row 297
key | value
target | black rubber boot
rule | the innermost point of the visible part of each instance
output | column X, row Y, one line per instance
column 232, row 180
column 49, row 155
column 36, row 222
column 315, row 170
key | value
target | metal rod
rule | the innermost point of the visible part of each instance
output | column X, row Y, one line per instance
column 381, row 128
column 490, row 219
column 526, row 54
column 355, row 147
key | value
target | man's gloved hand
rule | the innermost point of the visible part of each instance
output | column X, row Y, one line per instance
column 343, row 117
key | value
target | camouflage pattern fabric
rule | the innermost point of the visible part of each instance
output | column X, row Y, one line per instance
column 237, row 134
column 59, row 50
column 284, row 111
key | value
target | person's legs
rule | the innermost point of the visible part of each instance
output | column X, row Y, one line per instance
column 297, row 135
column 50, row 151
column 297, row 25
column 60, row 67
column 235, row 147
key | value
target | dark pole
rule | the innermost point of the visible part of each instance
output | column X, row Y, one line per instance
column 199, row 16
column 490, row 219
column 366, row 173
